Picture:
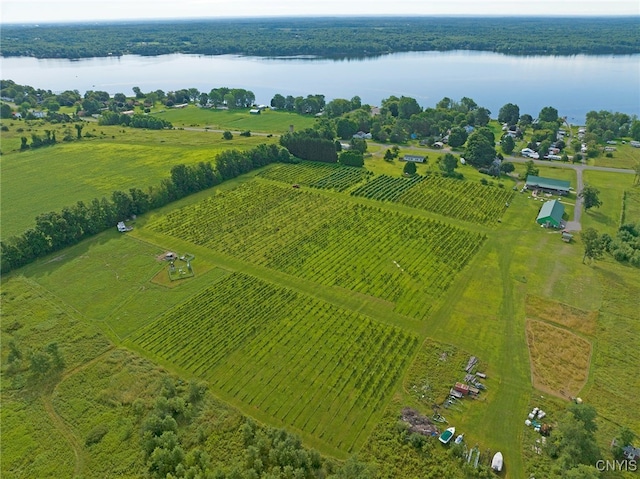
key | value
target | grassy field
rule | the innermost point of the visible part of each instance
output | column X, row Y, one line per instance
column 288, row 280
column 269, row 121
column 606, row 218
column 625, row 156
column 559, row 359
column 37, row 181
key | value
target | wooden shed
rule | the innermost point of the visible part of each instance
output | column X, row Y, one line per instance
column 462, row 388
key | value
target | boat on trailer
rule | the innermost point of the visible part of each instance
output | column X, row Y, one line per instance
column 446, row 436
column 497, row 462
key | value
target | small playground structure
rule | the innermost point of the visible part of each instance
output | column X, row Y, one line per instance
column 180, row 266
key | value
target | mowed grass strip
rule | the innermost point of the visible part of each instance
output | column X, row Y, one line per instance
column 559, row 359
column 305, row 363
column 404, row 259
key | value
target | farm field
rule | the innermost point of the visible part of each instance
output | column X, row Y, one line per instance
column 312, row 236
column 37, row 181
column 307, row 364
column 317, row 175
column 291, row 278
column 269, row 121
column 457, row 199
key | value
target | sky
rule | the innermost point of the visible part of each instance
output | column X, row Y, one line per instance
column 45, row 11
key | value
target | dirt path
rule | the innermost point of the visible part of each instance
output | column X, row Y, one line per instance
column 67, row 433
column 75, row 443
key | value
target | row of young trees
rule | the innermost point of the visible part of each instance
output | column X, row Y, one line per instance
column 56, row 230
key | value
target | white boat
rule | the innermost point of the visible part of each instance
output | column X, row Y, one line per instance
column 446, row 436
column 496, row 463
column 459, row 439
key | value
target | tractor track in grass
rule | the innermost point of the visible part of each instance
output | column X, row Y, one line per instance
column 65, row 430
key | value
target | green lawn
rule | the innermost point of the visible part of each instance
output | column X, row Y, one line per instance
column 606, row 218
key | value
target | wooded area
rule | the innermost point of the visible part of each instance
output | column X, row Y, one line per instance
column 326, row 37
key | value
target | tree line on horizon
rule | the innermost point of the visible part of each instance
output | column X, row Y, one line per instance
column 326, row 37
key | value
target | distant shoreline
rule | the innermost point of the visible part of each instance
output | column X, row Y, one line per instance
column 325, row 37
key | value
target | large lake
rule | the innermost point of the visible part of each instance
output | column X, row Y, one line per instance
column 572, row 84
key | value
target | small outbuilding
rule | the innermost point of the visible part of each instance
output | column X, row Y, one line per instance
column 462, row 388
column 551, row 214
column 414, row 158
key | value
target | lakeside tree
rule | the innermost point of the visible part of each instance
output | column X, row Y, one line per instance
column 548, row 114
column 590, row 195
column 509, row 114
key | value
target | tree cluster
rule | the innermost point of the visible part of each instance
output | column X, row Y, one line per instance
column 625, row 247
column 310, row 145
column 56, row 230
column 137, row 120
column 605, row 125
column 332, row 38
column 351, row 158
column 309, row 105
column 573, row 442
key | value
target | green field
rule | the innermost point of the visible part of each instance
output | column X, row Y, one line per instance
column 319, row 311
column 269, row 121
column 314, row 237
column 306, row 364
column 38, row 181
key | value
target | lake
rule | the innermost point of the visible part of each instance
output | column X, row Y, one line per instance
column 573, row 85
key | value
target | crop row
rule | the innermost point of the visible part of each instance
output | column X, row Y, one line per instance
column 317, row 175
column 401, row 258
column 464, row 200
column 386, row 188
column 302, row 361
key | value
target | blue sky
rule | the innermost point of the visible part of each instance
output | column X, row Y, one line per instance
column 40, row 11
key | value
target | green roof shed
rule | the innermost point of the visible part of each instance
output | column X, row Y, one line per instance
column 548, row 184
column 551, row 214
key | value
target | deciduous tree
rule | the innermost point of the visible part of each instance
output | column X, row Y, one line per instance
column 593, row 246
column 590, row 196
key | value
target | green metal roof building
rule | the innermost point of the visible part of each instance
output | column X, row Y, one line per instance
column 551, row 214
column 548, row 184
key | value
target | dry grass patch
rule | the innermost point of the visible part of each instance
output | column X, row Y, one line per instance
column 559, row 359
column 563, row 314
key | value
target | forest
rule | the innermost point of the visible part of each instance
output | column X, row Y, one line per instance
column 326, row 37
